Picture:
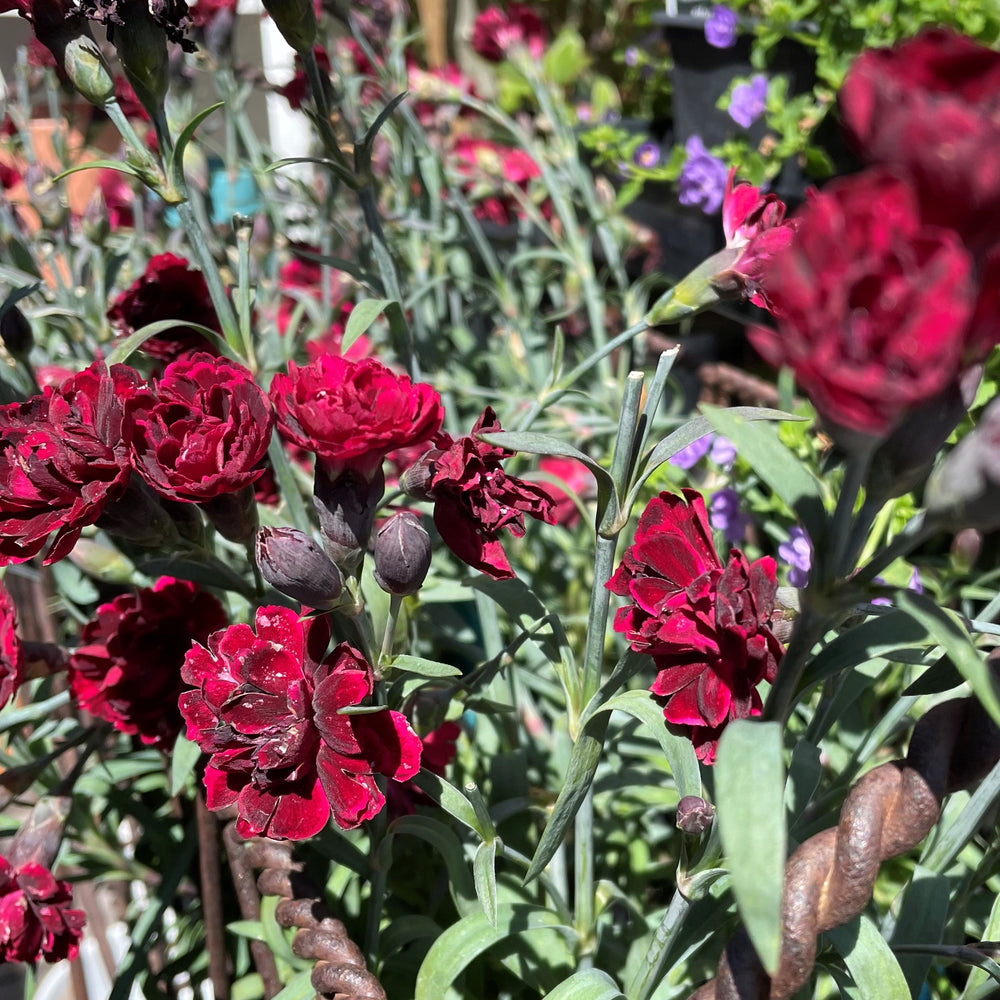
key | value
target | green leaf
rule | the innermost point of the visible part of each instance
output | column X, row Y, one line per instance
column 804, row 774
column 923, row 912
column 591, row 984
column 880, row 636
column 749, row 787
column 299, row 988
column 466, row 940
column 783, row 471
column 122, row 168
column 566, row 58
column 484, row 872
column 450, row 799
column 947, row 630
column 405, row 930
column 545, row 444
column 870, row 961
column 176, row 166
column 978, row 986
column 676, row 441
column 125, row 348
column 250, row 929
column 423, row 668
column 361, row 318
column 183, row 759
column 583, row 763
column 677, row 749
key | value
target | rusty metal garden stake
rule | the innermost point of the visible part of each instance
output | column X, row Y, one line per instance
column 830, row 878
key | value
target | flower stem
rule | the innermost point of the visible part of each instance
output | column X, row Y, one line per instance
column 809, row 628
column 388, row 637
column 647, row 975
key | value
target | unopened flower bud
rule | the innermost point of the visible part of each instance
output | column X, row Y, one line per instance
column 293, row 563
column 64, row 31
column 402, row 554
column 346, row 508
column 142, row 48
column 296, row 20
column 234, row 515
column 46, row 198
column 37, row 839
column 694, row 815
column 16, row 332
column 965, row 549
column 138, row 516
column 416, row 480
column 962, row 490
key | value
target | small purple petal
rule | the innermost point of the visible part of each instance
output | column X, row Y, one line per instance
column 723, row 452
column 720, row 28
column 725, row 515
column 797, row 552
column 702, row 180
column 748, row 101
column 693, row 453
column 647, row 155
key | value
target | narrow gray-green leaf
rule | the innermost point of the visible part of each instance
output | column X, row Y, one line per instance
column 978, row 985
column 466, row 940
column 183, row 759
column 677, row 749
column 484, row 872
column 361, row 318
column 749, row 788
column 423, row 668
column 946, row 628
column 921, row 919
column 449, row 798
column 870, row 961
column 299, row 988
column 592, row 984
column 124, row 349
column 583, row 763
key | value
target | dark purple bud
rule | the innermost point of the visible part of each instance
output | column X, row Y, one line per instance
column 38, row 838
column 346, row 508
column 233, row 514
column 16, row 332
column 694, row 815
column 293, row 563
column 965, row 549
column 296, row 20
column 402, row 554
column 416, row 481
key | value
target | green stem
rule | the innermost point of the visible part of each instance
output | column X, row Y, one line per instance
column 379, row 878
column 809, row 628
column 388, row 637
column 837, row 566
column 583, row 866
column 138, row 148
column 918, row 530
column 648, row 974
column 216, row 290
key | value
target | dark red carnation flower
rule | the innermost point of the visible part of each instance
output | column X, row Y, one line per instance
column 36, row 919
column 497, row 30
column 128, row 669
column 63, row 458
column 576, row 478
column 205, row 11
column 168, row 289
column 201, row 429
column 353, row 413
column 485, row 168
column 267, row 707
column 11, row 654
column 872, row 304
column 707, row 626
column 475, row 499
column 756, row 226
column 930, row 107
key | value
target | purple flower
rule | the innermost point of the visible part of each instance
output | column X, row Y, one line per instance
column 703, row 178
column 631, row 56
column 647, row 155
column 688, row 457
column 915, row 585
column 747, row 102
column 723, row 452
column 720, row 28
column 798, row 553
column 725, row 515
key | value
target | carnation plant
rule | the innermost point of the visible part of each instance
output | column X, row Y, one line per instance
column 378, row 621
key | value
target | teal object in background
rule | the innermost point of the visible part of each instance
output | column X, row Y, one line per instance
column 232, row 194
